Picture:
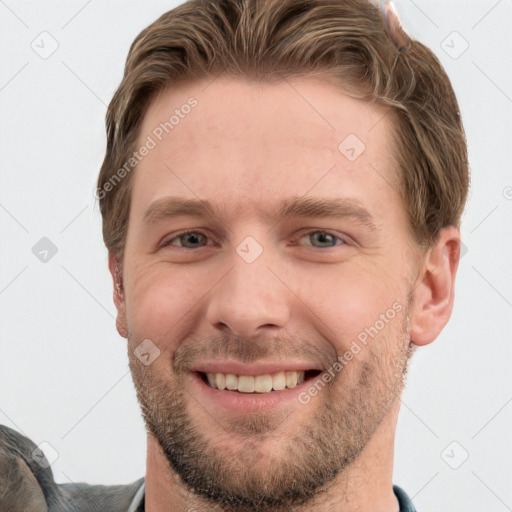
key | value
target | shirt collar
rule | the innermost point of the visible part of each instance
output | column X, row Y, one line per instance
column 137, row 504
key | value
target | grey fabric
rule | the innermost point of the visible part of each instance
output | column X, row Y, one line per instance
column 29, row 486
column 405, row 502
column 137, row 505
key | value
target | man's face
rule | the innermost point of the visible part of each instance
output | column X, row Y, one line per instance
column 249, row 292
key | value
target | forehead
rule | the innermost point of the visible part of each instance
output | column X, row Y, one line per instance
column 251, row 144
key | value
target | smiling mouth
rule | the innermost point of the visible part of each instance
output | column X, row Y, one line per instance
column 266, row 383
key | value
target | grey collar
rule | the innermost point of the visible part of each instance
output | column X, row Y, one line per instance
column 138, row 499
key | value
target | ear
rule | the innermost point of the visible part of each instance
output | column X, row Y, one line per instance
column 435, row 288
column 115, row 267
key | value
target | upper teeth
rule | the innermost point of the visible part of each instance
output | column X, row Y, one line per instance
column 259, row 384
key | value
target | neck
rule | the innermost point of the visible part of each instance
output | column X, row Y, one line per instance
column 367, row 484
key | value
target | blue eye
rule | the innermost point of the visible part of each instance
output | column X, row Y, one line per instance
column 192, row 236
column 324, row 237
column 192, row 240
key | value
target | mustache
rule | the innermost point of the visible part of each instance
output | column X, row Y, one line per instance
column 249, row 350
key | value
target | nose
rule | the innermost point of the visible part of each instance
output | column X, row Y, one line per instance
column 249, row 298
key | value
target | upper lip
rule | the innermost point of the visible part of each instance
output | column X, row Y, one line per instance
column 257, row 368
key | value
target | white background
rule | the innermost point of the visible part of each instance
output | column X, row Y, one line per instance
column 64, row 375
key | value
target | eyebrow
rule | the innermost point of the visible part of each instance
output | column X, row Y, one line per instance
column 176, row 206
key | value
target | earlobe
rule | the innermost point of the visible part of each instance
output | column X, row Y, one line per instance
column 115, row 268
column 434, row 291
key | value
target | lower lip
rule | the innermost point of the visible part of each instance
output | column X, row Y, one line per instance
column 247, row 402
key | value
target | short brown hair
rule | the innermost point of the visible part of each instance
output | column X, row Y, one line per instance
column 269, row 40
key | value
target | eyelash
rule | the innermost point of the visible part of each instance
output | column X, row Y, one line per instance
column 183, row 233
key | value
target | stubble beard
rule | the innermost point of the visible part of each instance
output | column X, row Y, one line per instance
column 316, row 451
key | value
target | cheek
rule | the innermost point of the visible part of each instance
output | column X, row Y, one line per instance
column 349, row 300
column 155, row 303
